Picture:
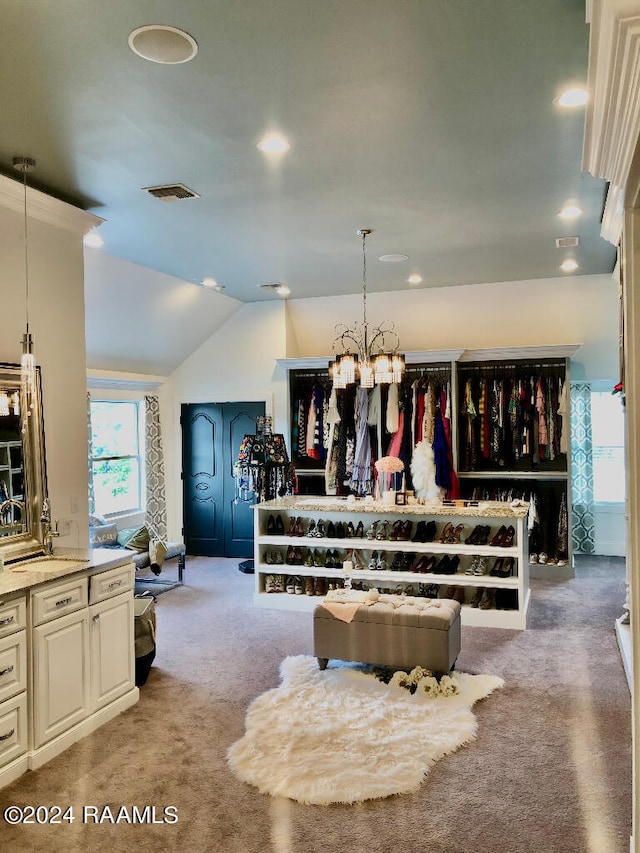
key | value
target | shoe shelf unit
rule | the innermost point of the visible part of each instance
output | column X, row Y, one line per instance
column 290, row 555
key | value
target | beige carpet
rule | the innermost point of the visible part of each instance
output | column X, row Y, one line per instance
column 549, row 770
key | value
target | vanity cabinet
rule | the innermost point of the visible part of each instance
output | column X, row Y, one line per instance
column 297, row 561
column 14, row 739
column 83, row 649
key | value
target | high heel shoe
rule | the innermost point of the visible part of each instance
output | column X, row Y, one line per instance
column 381, row 532
column 320, row 530
column 331, row 530
column 312, row 528
column 360, row 530
column 488, row 599
column 497, row 567
column 396, row 530
column 381, row 565
column 497, row 539
column 373, row 561
column 396, row 563
column 447, row 532
column 350, row 530
column 371, row 532
column 507, row 568
column 279, row 531
column 455, row 535
column 405, row 531
column 443, row 566
column 507, row 539
column 271, row 526
column 420, row 531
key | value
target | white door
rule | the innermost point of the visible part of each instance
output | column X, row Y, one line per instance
column 112, row 649
column 61, row 675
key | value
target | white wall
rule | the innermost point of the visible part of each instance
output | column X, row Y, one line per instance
column 56, row 314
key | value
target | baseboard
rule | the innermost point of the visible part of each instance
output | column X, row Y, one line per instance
column 12, row 771
column 623, row 635
column 551, row 571
column 52, row 748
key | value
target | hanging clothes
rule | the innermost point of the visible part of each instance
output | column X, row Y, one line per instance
column 361, row 482
column 393, row 408
column 331, row 466
column 563, row 412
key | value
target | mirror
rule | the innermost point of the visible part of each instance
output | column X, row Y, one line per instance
column 22, row 468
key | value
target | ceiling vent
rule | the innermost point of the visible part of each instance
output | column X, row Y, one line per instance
column 567, row 242
column 171, row 192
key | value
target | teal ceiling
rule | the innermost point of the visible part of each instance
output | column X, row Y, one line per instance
column 431, row 121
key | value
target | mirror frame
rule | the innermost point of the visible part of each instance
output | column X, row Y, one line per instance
column 31, row 542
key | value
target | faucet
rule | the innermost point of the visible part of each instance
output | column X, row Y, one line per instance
column 50, row 530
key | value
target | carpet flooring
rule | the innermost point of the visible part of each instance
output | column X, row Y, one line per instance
column 550, row 770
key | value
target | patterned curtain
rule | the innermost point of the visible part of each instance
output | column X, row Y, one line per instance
column 583, row 530
column 156, row 519
column 92, row 496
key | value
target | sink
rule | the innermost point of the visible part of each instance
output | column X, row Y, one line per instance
column 46, row 564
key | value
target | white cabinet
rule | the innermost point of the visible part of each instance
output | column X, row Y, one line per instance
column 14, row 738
column 83, row 660
column 61, row 674
column 112, row 649
column 431, row 568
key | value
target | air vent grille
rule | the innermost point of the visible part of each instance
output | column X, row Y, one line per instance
column 171, row 192
column 567, row 242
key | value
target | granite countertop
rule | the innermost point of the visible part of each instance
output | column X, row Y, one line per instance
column 485, row 509
column 17, row 577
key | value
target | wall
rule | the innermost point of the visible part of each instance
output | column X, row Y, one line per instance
column 56, row 315
column 238, row 362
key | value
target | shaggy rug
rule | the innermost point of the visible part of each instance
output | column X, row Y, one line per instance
column 343, row 736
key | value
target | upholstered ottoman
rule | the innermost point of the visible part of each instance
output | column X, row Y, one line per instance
column 394, row 631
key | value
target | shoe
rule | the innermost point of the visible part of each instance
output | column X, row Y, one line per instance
column 318, row 559
column 507, row 539
column 350, row 530
column 278, row 559
column 471, row 568
column 395, row 531
column 481, row 567
column 455, row 535
column 340, row 530
column 356, row 559
column 407, row 562
column 309, row 587
column 429, row 532
column 420, row 532
column 331, row 530
column 542, row 558
column 533, row 559
column 268, row 558
column 328, row 559
column 477, row 597
column 381, row 532
column 371, row 532
column 279, row 531
column 396, row 563
column 292, row 526
column 405, row 531
column 381, row 565
column 298, row 556
column 447, row 532
column 488, row 599
column 360, row 530
column 311, row 530
column 459, row 595
column 454, row 562
column 497, row 567
column 425, row 564
column 290, row 586
column 271, row 526
column 321, row 586
column 497, row 539
column 290, row 558
column 443, row 566
column 373, row 561
column 320, row 531
column 508, row 567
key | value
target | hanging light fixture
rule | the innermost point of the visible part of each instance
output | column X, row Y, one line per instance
column 28, row 364
column 368, row 356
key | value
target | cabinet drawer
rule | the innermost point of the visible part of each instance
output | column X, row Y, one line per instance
column 13, row 665
column 54, row 601
column 13, row 728
column 13, row 615
column 112, row 582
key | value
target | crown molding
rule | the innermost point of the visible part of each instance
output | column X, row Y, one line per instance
column 46, row 208
column 612, row 120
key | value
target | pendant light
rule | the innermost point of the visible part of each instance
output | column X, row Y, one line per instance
column 370, row 357
column 28, row 364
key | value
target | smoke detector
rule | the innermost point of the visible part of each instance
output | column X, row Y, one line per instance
column 278, row 287
column 171, row 192
column 567, row 242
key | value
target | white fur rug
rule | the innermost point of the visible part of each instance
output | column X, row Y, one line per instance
column 342, row 736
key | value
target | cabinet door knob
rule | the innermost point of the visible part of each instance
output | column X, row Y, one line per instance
column 96, row 618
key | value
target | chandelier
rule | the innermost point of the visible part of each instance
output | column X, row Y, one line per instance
column 364, row 355
column 28, row 365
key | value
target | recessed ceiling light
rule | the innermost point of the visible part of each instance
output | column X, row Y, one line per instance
column 393, row 259
column 166, row 45
column 273, row 144
column 575, row 97
column 570, row 211
column 210, row 282
column 569, row 265
column 93, row 240
column 415, row 279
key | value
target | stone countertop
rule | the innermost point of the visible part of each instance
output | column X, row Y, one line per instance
column 17, row 577
column 484, row 509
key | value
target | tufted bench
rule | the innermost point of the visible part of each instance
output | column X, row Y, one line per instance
column 395, row 631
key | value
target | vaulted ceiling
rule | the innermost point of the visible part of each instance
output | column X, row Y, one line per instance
column 433, row 122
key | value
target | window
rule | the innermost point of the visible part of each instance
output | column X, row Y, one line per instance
column 607, row 430
column 116, row 463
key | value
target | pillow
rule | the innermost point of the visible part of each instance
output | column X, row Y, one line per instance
column 105, row 534
column 97, row 521
column 137, row 541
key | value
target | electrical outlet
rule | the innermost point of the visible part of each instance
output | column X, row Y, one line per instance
column 64, row 526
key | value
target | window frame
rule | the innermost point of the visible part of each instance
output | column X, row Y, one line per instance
column 605, row 389
column 139, row 456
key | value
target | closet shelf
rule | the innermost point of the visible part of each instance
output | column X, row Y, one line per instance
column 512, row 475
